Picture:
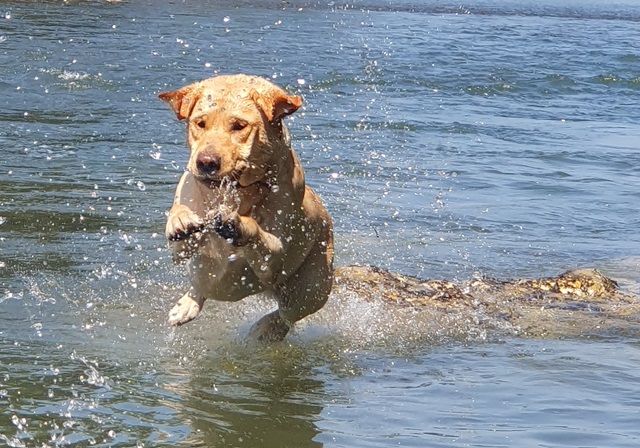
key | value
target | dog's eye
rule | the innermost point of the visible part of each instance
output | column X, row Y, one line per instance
column 201, row 123
column 238, row 125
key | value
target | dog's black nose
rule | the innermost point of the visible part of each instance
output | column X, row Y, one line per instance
column 207, row 164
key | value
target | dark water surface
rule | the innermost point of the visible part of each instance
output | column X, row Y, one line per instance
column 447, row 140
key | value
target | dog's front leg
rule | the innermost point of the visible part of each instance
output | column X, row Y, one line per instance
column 185, row 223
column 262, row 249
column 183, row 231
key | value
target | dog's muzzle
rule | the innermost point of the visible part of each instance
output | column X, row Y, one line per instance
column 208, row 166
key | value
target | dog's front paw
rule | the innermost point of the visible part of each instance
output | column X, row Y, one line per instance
column 229, row 227
column 182, row 223
column 185, row 310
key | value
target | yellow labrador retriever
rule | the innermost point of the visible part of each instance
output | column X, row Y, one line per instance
column 242, row 215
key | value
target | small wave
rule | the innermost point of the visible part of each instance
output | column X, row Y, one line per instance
column 75, row 79
column 489, row 89
column 631, row 57
column 607, row 79
column 378, row 125
column 336, row 80
column 559, row 80
column 555, row 83
column 73, row 76
column 614, row 80
column 525, row 9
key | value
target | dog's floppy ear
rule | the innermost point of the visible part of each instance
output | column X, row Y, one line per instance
column 183, row 100
column 276, row 104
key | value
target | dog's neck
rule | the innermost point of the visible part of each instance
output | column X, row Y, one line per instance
column 284, row 181
column 288, row 174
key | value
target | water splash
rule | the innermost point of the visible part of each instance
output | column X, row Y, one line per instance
column 227, row 200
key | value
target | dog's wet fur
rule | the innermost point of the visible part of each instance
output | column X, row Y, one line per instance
column 243, row 218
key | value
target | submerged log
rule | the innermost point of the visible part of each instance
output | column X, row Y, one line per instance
column 580, row 302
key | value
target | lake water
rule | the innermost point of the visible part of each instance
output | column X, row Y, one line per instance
column 498, row 138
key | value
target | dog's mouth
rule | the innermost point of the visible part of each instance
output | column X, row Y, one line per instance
column 210, row 181
column 217, row 182
column 231, row 180
column 214, row 181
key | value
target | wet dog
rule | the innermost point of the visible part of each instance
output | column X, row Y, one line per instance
column 243, row 217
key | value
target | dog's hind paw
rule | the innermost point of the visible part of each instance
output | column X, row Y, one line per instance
column 185, row 310
column 270, row 328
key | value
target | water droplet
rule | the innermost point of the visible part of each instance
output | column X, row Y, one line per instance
column 226, row 19
column 301, row 82
column 19, row 423
column 141, row 186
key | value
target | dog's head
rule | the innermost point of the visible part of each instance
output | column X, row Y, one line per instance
column 234, row 126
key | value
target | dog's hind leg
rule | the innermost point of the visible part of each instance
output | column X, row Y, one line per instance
column 270, row 328
column 304, row 293
column 186, row 309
